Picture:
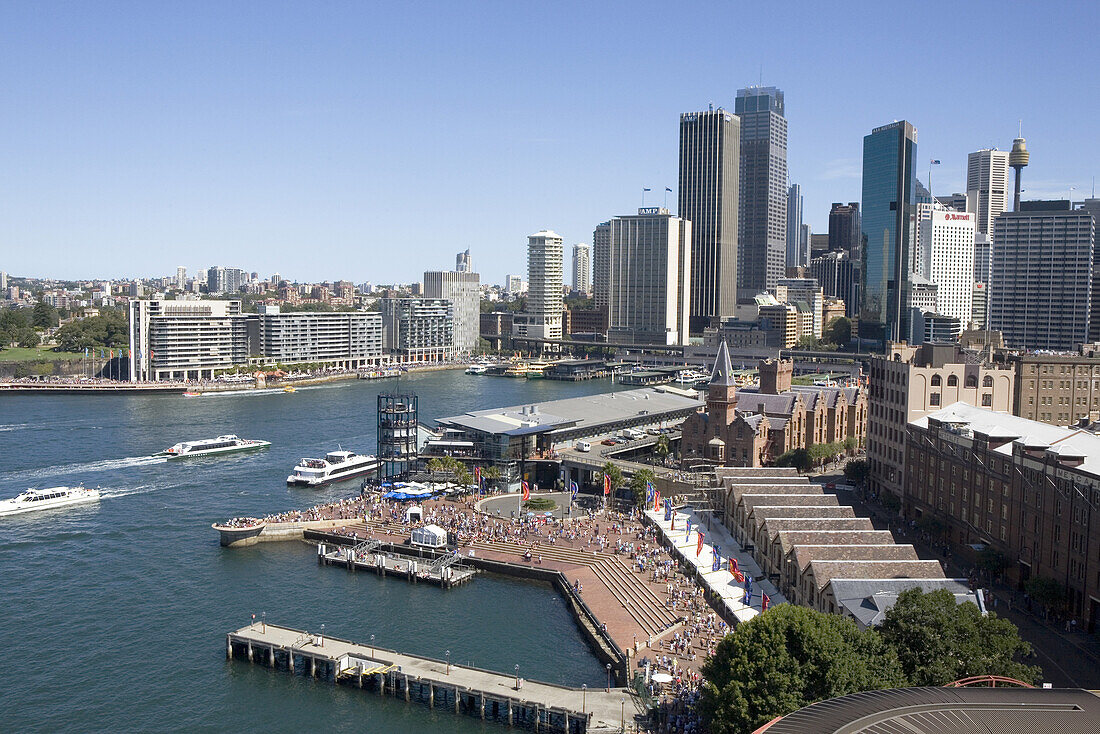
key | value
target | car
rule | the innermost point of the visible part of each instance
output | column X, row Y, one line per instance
column 609, row 442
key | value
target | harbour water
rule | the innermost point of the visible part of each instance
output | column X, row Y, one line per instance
column 113, row 615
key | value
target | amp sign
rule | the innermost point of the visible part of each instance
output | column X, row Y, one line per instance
column 649, row 210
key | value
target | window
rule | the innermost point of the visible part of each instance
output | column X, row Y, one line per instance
column 952, row 381
column 971, row 381
column 936, row 381
column 934, row 399
column 987, row 381
column 987, row 400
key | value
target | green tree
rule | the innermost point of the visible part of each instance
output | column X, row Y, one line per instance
column 992, row 561
column 855, row 471
column 662, row 447
column 638, row 485
column 1046, row 592
column 798, row 458
column 28, row 338
column 788, row 658
column 938, row 641
column 43, row 315
column 615, row 473
column 838, row 331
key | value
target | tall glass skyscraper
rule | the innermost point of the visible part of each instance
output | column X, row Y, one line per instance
column 889, row 207
column 762, row 234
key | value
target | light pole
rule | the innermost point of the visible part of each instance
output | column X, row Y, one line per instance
column 609, row 677
column 322, row 635
column 584, row 696
column 517, row 677
column 448, row 662
column 263, row 622
column 622, row 714
column 372, row 646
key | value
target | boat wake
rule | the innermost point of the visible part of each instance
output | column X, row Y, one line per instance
column 6, row 427
column 83, row 467
column 113, row 492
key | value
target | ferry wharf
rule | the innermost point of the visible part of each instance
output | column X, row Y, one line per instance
column 465, row 690
column 444, row 570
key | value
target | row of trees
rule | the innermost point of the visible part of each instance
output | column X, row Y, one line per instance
column 792, row 656
column 108, row 330
column 836, row 335
column 816, row 454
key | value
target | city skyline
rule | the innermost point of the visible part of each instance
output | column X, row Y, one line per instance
column 134, row 149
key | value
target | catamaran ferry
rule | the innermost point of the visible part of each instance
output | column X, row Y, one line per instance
column 335, row 467
column 47, row 499
column 227, row 444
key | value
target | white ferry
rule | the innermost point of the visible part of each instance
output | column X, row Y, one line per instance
column 477, row 369
column 47, row 499
column 227, row 444
column 335, row 467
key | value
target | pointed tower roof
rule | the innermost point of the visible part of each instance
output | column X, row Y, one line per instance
column 722, row 375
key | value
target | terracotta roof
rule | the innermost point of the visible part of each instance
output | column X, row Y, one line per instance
column 804, row 554
column 825, row 571
column 787, row 539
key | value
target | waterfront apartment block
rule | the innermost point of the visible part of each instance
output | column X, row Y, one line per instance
column 542, row 317
column 817, row 552
column 1026, row 489
column 418, row 329
column 910, row 382
column 344, row 339
column 187, row 340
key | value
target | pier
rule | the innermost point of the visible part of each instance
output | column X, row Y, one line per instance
column 444, row 570
column 465, row 690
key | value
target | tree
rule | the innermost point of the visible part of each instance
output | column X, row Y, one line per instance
column 638, row 483
column 931, row 525
column 798, row 458
column 855, row 471
column 1046, row 592
column 838, row 331
column 28, row 338
column 615, row 473
column 662, row 447
column 992, row 561
column 43, row 315
column 787, row 658
column 938, row 641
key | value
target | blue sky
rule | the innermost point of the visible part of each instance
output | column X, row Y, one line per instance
column 372, row 141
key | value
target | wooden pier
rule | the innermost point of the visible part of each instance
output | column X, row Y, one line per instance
column 506, row 699
column 444, row 571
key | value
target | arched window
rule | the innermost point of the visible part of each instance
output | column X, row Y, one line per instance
column 987, row 381
column 936, row 381
column 971, row 381
column 952, row 381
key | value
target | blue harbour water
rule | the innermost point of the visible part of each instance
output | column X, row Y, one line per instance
column 113, row 616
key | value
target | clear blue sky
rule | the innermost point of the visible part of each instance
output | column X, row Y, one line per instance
column 372, row 141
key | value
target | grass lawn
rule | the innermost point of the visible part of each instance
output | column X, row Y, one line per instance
column 18, row 354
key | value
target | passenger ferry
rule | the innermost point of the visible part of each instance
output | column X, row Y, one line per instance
column 477, row 369
column 335, row 467
column 47, row 499
column 227, row 444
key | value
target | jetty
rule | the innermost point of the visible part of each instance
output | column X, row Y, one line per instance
column 440, row 684
column 369, row 555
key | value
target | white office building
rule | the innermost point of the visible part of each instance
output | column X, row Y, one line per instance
column 987, row 187
column 463, row 290
column 947, row 242
column 542, row 319
column 807, row 291
column 350, row 339
column 649, row 288
column 417, row 329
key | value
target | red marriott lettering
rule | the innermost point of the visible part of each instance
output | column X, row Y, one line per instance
column 951, row 217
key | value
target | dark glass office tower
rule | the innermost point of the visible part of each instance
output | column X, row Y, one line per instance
column 710, row 153
column 762, row 235
column 888, row 210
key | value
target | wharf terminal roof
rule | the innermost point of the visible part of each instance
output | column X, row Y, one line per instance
column 948, row 711
column 582, row 414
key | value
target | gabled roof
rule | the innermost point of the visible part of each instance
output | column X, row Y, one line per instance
column 722, row 374
column 868, row 600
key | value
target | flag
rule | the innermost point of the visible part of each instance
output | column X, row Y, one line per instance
column 935, row 162
column 668, row 189
column 733, row 565
column 85, row 351
column 687, row 535
column 739, row 576
column 607, row 484
column 656, row 500
column 647, row 189
column 573, row 488
column 668, row 510
column 477, row 475
column 526, row 491
column 648, row 492
column 716, row 555
column 699, row 546
column 765, row 602
column 748, row 591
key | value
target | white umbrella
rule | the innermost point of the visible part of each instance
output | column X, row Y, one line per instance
column 661, row 678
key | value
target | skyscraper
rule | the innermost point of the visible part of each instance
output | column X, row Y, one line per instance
column 762, row 233
column 649, row 291
column 795, row 254
column 542, row 317
column 889, row 200
column 844, row 228
column 181, row 278
column 582, row 268
column 464, row 263
column 949, row 261
column 1043, row 261
column 710, row 159
column 601, row 264
column 463, row 290
column 987, row 186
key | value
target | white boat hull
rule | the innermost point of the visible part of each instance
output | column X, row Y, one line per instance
column 10, row 507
